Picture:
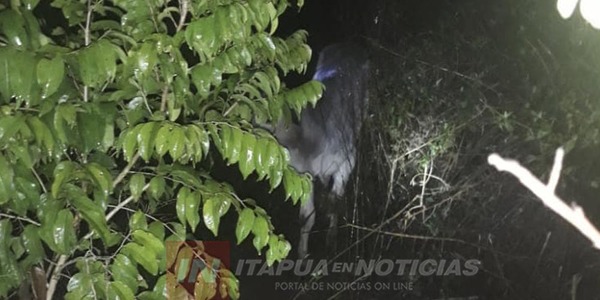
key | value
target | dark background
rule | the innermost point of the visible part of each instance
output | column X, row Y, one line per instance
column 465, row 78
column 461, row 65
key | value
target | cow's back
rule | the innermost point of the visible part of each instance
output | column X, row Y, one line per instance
column 330, row 128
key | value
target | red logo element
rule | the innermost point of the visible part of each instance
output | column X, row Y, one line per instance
column 200, row 270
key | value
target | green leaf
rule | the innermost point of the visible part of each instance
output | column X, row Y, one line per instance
column 145, row 59
column 210, row 214
column 157, row 187
column 204, row 138
column 290, row 184
column 145, row 139
column 226, row 140
column 138, row 221
column 214, row 135
column 187, row 175
column 101, row 176
column 204, row 76
column 260, row 229
column 80, row 286
column 181, row 204
column 194, row 145
column 63, row 232
column 177, row 143
column 118, row 290
column 158, row 229
column 9, row 126
column 136, row 185
column 43, row 135
column 124, row 270
column 9, row 267
column 284, row 248
column 7, row 185
column 224, row 204
column 244, row 225
column 65, row 120
column 163, row 136
column 92, row 127
column 246, row 162
column 12, row 25
column 32, row 243
column 300, row 96
column 50, row 74
column 149, row 241
column 274, row 162
column 192, row 214
column 235, row 144
column 140, row 254
column 92, row 213
column 272, row 252
column 17, row 75
column 130, row 142
column 201, row 36
column 29, row 186
column 23, row 155
column 108, row 140
column 62, row 173
column 260, row 15
column 97, row 63
column 72, row 10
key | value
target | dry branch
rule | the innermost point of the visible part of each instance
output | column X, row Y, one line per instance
column 572, row 214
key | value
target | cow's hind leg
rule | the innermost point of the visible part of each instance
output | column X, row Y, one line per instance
column 333, row 228
column 307, row 216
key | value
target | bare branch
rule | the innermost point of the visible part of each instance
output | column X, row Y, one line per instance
column 60, row 264
column 183, row 10
column 55, row 276
column 123, row 173
column 573, row 214
column 86, row 30
column 556, row 168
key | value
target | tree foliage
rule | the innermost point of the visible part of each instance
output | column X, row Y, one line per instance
column 116, row 108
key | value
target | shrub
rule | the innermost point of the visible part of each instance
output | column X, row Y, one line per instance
column 117, row 108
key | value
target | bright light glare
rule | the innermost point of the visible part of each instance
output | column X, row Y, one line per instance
column 566, row 7
column 590, row 10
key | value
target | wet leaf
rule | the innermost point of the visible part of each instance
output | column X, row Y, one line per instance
column 210, row 214
column 260, row 229
column 246, row 162
column 244, row 225
column 146, row 138
column 97, row 63
column 136, row 185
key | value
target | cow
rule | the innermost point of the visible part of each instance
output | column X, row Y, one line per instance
column 323, row 140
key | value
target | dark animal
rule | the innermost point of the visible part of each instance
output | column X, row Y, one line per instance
column 323, row 141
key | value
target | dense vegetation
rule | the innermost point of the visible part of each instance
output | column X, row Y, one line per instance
column 112, row 112
column 453, row 82
column 114, row 116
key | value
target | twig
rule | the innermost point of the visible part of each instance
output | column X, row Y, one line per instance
column 163, row 98
column 60, row 264
column 411, row 236
column 20, row 219
column 118, row 207
column 556, row 168
column 86, row 31
column 183, row 10
column 37, row 176
column 123, row 173
column 573, row 214
column 55, row 276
